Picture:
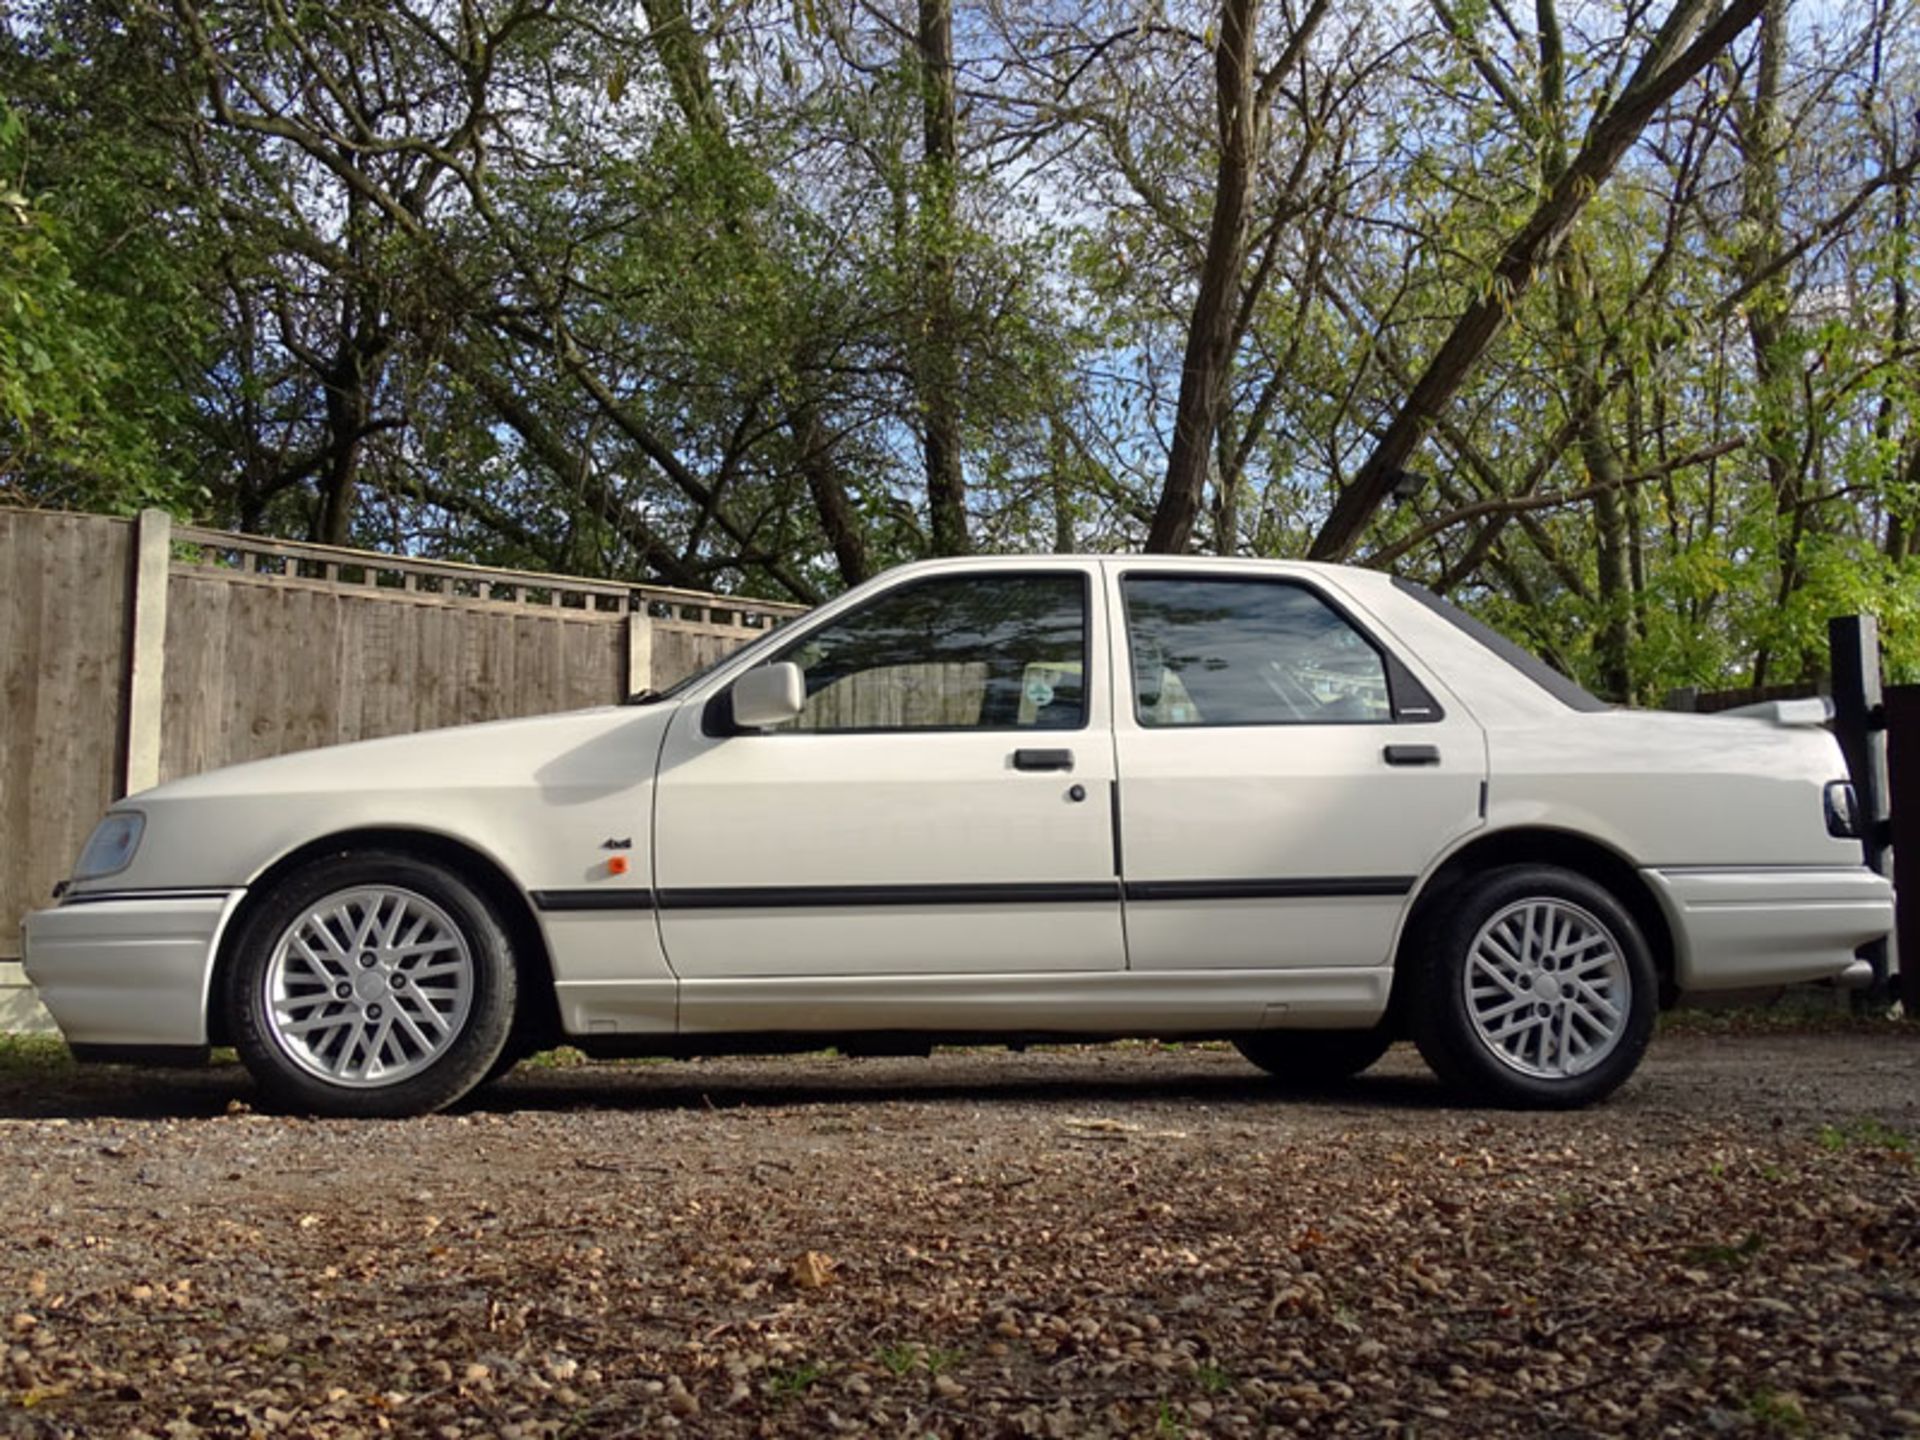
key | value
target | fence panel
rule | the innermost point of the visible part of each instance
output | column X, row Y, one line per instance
column 260, row 666
column 159, row 651
column 63, row 614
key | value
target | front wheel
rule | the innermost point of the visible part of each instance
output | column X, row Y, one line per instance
column 371, row 984
column 1535, row 990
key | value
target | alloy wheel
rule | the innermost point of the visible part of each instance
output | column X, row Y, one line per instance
column 369, row 986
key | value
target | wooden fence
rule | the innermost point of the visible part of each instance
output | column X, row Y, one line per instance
column 137, row 651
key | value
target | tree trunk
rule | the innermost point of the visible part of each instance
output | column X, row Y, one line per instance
column 829, row 494
column 1204, row 374
column 938, row 370
column 1062, row 488
column 350, row 382
column 1769, row 325
column 1226, row 498
column 1531, row 248
column 1899, row 540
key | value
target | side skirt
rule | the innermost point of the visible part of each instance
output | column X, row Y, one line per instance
column 1067, row 1005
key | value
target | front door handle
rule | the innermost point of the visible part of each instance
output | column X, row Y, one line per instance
column 1043, row 759
column 1412, row 754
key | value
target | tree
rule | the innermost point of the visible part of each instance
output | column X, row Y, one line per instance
column 1667, row 64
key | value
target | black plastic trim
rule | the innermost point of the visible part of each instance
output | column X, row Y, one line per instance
column 1031, row 759
column 796, row 897
column 1321, row 887
column 815, row 897
column 95, row 897
column 627, row 899
column 1411, row 754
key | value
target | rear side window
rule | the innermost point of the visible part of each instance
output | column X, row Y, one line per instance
column 1229, row 651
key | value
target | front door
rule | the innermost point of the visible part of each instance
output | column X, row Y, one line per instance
column 941, row 806
column 1284, row 777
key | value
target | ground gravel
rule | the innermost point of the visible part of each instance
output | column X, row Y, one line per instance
column 1131, row 1240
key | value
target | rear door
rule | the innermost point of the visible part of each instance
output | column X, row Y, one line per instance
column 1284, row 776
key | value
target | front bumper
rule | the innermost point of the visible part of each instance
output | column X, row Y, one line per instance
column 1736, row 929
column 131, row 968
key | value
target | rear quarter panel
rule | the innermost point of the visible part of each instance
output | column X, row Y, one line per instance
column 1672, row 790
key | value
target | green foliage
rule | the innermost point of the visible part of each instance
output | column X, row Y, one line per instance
column 88, row 407
column 1777, row 1414
column 33, row 1055
column 1737, row 1256
column 669, row 309
column 792, row 1381
column 1867, row 1133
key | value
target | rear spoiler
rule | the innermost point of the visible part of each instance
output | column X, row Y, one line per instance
column 1814, row 710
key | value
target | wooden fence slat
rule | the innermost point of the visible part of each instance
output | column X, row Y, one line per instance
column 63, row 596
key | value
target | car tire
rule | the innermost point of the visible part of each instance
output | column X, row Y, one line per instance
column 506, row 1062
column 371, row 984
column 1315, row 1057
column 1534, row 990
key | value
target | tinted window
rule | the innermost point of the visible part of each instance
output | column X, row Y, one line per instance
column 1247, row 652
column 995, row 652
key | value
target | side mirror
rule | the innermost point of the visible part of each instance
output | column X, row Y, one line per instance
column 768, row 695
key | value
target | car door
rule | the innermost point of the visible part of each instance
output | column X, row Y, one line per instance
column 1284, row 776
column 941, row 805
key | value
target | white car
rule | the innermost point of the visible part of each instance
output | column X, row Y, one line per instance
column 1307, row 808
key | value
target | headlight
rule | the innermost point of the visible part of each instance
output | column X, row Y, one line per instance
column 110, row 848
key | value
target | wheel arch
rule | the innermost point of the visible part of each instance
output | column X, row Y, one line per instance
column 1540, row 845
column 541, row 1015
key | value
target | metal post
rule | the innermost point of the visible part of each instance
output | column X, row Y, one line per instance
column 1860, row 722
column 1903, row 793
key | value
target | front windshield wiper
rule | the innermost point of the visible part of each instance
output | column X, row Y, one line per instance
column 644, row 697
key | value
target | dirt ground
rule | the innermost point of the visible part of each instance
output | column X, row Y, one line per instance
column 1129, row 1240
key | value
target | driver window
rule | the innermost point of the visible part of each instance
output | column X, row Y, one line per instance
column 1247, row 652
column 963, row 652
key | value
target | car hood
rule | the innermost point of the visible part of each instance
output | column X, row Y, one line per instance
column 581, row 749
column 543, row 799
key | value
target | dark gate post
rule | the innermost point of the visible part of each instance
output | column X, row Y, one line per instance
column 1903, row 794
column 1860, row 722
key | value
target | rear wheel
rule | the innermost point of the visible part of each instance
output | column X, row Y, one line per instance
column 371, row 984
column 1315, row 1057
column 1535, row 990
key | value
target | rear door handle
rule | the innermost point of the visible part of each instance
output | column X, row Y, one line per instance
column 1412, row 754
column 1043, row 759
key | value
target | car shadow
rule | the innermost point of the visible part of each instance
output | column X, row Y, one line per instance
column 132, row 1093
column 685, row 1088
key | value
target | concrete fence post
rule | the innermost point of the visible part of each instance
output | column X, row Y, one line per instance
column 639, row 648
column 147, row 650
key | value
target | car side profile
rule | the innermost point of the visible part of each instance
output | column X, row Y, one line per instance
column 1310, row 809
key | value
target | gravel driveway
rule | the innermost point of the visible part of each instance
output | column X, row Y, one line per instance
column 1130, row 1240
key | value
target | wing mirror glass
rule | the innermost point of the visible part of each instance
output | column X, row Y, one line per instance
column 768, row 695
